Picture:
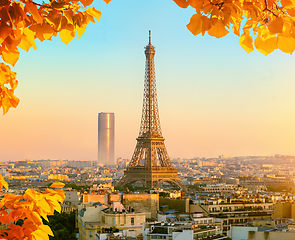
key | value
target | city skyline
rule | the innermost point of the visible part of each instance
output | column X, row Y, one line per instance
column 214, row 98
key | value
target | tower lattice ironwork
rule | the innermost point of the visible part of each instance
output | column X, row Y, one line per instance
column 150, row 163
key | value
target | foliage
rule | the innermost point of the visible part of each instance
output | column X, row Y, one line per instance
column 23, row 213
column 108, row 230
column 62, row 225
column 24, row 21
column 270, row 22
column 75, row 186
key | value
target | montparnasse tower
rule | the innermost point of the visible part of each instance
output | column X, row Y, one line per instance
column 150, row 163
column 106, row 138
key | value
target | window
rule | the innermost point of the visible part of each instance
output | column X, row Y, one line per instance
column 90, row 233
column 132, row 221
column 114, row 221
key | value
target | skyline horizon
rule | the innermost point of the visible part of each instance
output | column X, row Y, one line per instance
column 172, row 158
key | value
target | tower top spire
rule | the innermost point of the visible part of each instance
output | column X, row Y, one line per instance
column 150, row 37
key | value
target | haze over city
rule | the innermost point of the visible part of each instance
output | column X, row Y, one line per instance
column 214, row 98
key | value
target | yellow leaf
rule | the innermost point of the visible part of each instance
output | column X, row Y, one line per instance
column 10, row 57
column 31, row 37
column 25, row 44
column 276, row 26
column 80, row 30
column 33, row 195
column 246, row 42
column 3, row 183
column 28, row 40
column 44, row 205
column 46, row 229
column 66, row 35
column 56, row 206
column 218, row 30
column 107, row 1
column 94, row 12
column 266, row 46
column 286, row 44
column 40, row 234
column 57, row 185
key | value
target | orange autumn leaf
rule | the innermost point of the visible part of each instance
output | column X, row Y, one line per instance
column 24, row 21
column 266, row 20
column 16, row 232
column 30, row 207
column 276, row 26
column 199, row 24
column 32, row 8
column 246, row 42
column 57, row 185
column 266, row 46
column 196, row 4
column 86, row 2
column 11, row 56
column 286, row 44
column 181, row 3
column 218, row 30
column 195, row 24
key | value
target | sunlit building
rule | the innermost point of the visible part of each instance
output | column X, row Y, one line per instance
column 106, row 138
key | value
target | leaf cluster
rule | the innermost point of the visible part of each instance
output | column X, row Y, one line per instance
column 24, row 21
column 265, row 24
column 24, row 214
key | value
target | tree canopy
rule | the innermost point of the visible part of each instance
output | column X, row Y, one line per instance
column 24, row 21
column 269, row 24
column 24, row 214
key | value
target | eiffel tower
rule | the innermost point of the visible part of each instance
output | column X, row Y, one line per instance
column 150, row 163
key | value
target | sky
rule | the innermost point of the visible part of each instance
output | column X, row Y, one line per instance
column 214, row 98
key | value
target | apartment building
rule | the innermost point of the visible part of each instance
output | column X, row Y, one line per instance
column 96, row 218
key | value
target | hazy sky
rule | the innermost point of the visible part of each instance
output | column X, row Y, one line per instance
column 214, row 98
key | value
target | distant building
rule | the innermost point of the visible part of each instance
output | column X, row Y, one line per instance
column 284, row 210
column 106, row 138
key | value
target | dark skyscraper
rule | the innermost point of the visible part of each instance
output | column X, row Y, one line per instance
column 106, row 138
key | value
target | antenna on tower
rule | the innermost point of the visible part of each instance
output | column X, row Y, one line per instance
column 150, row 37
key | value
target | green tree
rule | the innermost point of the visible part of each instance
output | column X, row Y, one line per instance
column 62, row 225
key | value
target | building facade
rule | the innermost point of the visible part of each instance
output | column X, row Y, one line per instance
column 106, row 138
